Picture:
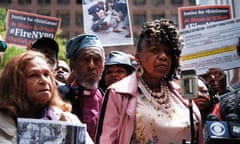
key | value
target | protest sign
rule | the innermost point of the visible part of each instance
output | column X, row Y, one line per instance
column 22, row 28
column 212, row 45
column 40, row 131
column 195, row 16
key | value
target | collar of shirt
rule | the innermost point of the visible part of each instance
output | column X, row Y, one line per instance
column 48, row 114
column 79, row 90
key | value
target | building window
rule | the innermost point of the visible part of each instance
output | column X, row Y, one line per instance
column 157, row 16
column 157, row 2
column 42, row 12
column 192, row 2
column 23, row 2
column 44, row 1
column 79, row 1
column 139, row 2
column 63, row 1
column 5, row 1
column 65, row 18
column 174, row 18
column 136, row 37
column 139, row 19
column 177, row 2
column 79, row 19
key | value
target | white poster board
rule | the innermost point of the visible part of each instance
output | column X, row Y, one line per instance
column 212, row 45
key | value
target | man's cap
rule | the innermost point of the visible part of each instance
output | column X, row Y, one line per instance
column 3, row 45
column 46, row 42
column 119, row 58
column 82, row 41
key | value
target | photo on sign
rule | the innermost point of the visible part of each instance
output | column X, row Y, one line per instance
column 108, row 19
column 39, row 131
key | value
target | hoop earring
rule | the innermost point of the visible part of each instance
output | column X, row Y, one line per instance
column 139, row 70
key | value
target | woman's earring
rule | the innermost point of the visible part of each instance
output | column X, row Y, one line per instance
column 139, row 70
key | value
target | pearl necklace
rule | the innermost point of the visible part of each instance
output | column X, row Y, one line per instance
column 162, row 97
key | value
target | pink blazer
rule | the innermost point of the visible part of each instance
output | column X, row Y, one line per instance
column 119, row 119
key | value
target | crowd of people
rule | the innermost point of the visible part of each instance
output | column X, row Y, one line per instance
column 121, row 98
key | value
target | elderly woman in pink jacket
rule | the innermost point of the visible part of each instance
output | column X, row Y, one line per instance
column 146, row 106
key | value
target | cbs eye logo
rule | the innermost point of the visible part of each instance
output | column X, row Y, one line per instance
column 217, row 129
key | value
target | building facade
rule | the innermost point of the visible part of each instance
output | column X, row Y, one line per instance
column 70, row 12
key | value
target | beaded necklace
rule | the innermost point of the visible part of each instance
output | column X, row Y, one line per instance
column 162, row 98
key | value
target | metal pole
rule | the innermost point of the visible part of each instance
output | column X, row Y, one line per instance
column 193, row 141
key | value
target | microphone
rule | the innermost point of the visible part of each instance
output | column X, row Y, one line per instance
column 234, row 126
column 232, row 117
column 214, row 130
column 221, row 132
column 212, row 117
